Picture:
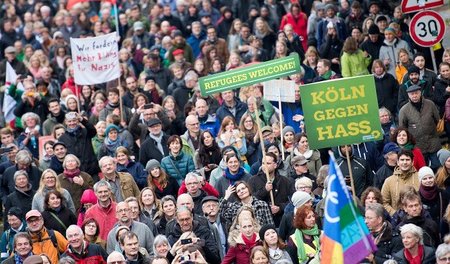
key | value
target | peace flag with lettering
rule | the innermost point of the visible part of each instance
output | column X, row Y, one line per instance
column 71, row 3
column 346, row 238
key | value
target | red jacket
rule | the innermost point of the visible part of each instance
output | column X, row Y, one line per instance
column 299, row 25
column 92, row 254
column 106, row 218
column 238, row 252
column 419, row 160
column 208, row 188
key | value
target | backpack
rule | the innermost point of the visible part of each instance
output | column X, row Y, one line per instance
column 51, row 234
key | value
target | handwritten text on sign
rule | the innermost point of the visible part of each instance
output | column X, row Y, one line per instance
column 95, row 60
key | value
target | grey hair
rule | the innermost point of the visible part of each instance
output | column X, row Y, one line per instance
column 384, row 109
column 71, row 156
column 182, row 209
column 104, row 159
column 32, row 115
column 23, row 156
column 66, row 260
column 102, row 183
column 19, row 173
column 413, row 229
column 114, row 254
column 303, row 180
column 377, row 208
column 158, row 240
column 75, row 228
column 196, row 23
column 190, row 76
column 442, row 250
column 193, row 175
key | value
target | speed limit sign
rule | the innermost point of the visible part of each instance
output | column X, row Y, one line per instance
column 427, row 28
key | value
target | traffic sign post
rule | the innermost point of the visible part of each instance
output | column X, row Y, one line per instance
column 427, row 28
column 410, row 6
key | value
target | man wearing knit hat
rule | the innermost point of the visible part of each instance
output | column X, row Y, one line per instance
column 373, row 44
column 298, row 199
column 420, row 116
column 389, row 51
column 410, row 79
column 390, row 154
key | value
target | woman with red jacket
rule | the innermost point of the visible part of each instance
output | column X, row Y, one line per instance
column 299, row 22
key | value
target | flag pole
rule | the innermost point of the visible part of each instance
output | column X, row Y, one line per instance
column 281, row 123
column 116, row 17
column 263, row 149
column 350, row 172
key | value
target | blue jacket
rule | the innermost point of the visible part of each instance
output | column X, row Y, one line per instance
column 7, row 241
column 223, row 111
column 177, row 167
column 137, row 171
column 210, row 124
column 289, row 111
column 195, row 41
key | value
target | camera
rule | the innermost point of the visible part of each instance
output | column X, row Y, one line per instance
column 148, row 106
column 186, row 241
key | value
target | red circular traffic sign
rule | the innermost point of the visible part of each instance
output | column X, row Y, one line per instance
column 427, row 28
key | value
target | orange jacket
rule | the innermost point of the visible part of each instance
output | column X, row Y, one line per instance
column 42, row 243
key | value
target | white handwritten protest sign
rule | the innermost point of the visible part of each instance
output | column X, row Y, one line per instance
column 96, row 59
column 282, row 90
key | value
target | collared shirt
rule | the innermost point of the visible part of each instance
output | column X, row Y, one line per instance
column 115, row 186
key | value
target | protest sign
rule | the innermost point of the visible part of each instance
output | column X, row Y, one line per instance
column 341, row 111
column 96, row 59
column 249, row 75
column 280, row 90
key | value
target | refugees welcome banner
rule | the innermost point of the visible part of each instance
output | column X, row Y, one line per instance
column 341, row 111
column 250, row 74
column 96, row 59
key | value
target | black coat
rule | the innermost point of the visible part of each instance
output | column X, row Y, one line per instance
column 65, row 216
column 388, row 244
column 282, row 190
column 149, row 150
column 171, row 189
column 19, row 199
column 429, row 227
column 437, row 206
column 440, row 94
column 7, row 181
column 387, row 92
column 79, row 144
column 362, row 175
column 162, row 77
column 382, row 174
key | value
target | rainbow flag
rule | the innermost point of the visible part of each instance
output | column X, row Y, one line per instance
column 346, row 238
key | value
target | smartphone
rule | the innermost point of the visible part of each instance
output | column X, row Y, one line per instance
column 186, row 241
column 148, row 106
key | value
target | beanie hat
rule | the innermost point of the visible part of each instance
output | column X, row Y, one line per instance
column 151, row 164
column 374, row 29
column 424, row 171
column 443, row 156
column 390, row 147
column 389, row 29
column 111, row 127
column 88, row 197
column 299, row 198
column 288, row 129
column 16, row 211
column 264, row 228
column 413, row 69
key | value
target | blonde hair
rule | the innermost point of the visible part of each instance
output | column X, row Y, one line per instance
column 57, row 182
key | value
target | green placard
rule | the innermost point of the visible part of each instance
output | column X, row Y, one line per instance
column 341, row 111
column 249, row 75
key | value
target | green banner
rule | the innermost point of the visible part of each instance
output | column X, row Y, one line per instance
column 341, row 111
column 248, row 75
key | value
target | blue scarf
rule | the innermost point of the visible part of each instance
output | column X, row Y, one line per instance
column 233, row 178
column 19, row 260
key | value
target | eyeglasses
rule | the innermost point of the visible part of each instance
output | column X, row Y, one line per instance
column 91, row 226
column 304, row 187
column 181, row 220
column 446, row 259
column 192, row 183
column 125, row 210
column 195, row 124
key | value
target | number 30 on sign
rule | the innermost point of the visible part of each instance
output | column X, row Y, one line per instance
column 427, row 28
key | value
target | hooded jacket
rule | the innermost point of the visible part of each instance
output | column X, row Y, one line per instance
column 362, row 175
column 238, row 251
column 394, row 184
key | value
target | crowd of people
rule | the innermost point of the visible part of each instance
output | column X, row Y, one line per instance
column 146, row 169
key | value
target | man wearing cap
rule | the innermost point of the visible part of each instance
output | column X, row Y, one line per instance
column 299, row 169
column 210, row 207
column 15, row 219
column 389, row 51
column 78, row 141
column 22, row 251
column 298, row 199
column 179, row 59
column 390, row 154
column 424, row 73
column 410, row 79
column 279, row 186
column 373, row 44
column 60, row 152
column 155, row 144
column 141, row 38
column 44, row 240
column 421, row 116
